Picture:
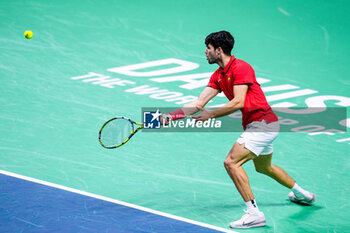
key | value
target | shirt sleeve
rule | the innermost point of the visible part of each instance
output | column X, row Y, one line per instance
column 244, row 74
column 213, row 83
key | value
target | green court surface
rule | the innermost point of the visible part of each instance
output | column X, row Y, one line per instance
column 51, row 115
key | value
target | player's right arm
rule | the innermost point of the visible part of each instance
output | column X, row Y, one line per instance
column 191, row 108
column 207, row 94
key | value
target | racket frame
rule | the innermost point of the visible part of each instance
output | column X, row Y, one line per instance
column 132, row 133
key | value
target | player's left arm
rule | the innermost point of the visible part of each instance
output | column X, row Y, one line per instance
column 240, row 92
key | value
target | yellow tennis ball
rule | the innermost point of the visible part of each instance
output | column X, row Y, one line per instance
column 28, row 34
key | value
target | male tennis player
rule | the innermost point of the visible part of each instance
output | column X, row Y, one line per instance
column 236, row 78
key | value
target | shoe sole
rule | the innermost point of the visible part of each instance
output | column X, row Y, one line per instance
column 260, row 224
column 305, row 202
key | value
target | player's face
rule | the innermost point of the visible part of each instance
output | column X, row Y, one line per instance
column 211, row 54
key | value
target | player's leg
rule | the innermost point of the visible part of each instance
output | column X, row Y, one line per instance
column 263, row 165
column 237, row 156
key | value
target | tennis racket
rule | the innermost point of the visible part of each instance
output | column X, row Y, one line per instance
column 117, row 131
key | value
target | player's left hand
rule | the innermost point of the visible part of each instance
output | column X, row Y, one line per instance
column 203, row 116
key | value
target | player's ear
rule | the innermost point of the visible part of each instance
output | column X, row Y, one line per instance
column 219, row 50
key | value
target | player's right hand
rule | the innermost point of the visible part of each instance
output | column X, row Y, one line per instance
column 165, row 119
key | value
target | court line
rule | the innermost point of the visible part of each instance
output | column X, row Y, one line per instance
column 115, row 201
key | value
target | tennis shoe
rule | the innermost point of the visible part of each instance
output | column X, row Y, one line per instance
column 250, row 220
column 300, row 198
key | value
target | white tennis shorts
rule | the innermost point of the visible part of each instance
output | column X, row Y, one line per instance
column 258, row 137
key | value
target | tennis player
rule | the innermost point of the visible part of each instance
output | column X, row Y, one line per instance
column 236, row 79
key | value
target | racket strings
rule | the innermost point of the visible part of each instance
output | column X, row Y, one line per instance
column 116, row 132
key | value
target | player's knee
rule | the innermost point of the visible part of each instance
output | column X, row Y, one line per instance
column 229, row 164
column 264, row 169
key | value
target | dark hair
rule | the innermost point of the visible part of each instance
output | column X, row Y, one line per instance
column 221, row 39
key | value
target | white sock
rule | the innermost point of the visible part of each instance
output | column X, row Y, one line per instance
column 252, row 207
column 299, row 192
